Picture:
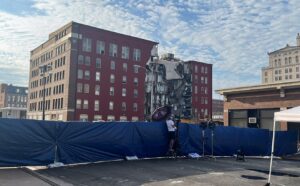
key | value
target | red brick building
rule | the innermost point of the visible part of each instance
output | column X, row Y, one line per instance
column 254, row 106
column 91, row 74
column 202, row 89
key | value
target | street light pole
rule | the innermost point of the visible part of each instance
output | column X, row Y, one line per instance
column 44, row 69
column 44, row 96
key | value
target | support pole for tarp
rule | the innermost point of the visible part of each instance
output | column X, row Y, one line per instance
column 55, row 154
column 272, row 153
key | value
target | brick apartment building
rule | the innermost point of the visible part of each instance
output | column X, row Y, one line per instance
column 90, row 74
column 185, row 85
column 13, row 101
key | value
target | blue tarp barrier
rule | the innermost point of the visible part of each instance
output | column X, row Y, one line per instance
column 31, row 142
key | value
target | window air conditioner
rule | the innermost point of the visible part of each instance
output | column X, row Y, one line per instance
column 252, row 120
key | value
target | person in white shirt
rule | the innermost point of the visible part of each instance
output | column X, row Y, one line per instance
column 171, row 132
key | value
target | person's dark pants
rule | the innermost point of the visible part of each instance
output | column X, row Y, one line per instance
column 172, row 140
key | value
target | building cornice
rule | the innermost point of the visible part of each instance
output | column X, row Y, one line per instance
column 259, row 88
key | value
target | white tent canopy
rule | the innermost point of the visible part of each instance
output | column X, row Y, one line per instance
column 289, row 115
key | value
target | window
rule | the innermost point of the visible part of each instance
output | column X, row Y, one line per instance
column 87, row 60
column 290, row 69
column 113, row 48
column 196, row 78
column 123, row 106
column 135, row 107
column 96, row 108
column 196, row 69
column 136, row 69
column 124, row 79
column 85, row 104
column 136, row 54
column 78, row 104
column 98, row 63
column 123, row 118
column 80, row 74
column 110, row 118
column 97, row 117
column 125, row 52
column 135, row 93
column 86, row 88
column 112, row 65
column 135, row 118
column 205, row 80
column 97, row 76
column 297, row 69
column 111, row 91
column 112, row 78
column 111, row 105
column 290, row 60
column 97, row 90
column 123, row 92
column 285, row 61
column 80, row 60
column 79, row 87
column 125, row 67
column 83, row 117
column 100, row 49
column 296, row 59
column 196, row 89
column 86, row 45
column 135, row 81
column 205, row 70
column 286, row 70
column 87, row 74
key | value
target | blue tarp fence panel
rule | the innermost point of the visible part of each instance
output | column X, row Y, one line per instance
column 31, row 142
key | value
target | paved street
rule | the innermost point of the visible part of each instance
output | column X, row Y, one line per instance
column 152, row 172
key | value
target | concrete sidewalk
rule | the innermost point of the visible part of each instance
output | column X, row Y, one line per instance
column 19, row 176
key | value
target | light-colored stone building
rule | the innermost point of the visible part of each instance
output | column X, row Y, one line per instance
column 284, row 65
column 13, row 101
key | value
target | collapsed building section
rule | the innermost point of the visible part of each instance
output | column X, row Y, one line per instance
column 169, row 82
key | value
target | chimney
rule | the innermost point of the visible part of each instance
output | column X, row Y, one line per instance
column 298, row 40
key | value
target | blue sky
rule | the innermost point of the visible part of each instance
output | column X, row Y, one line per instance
column 233, row 35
